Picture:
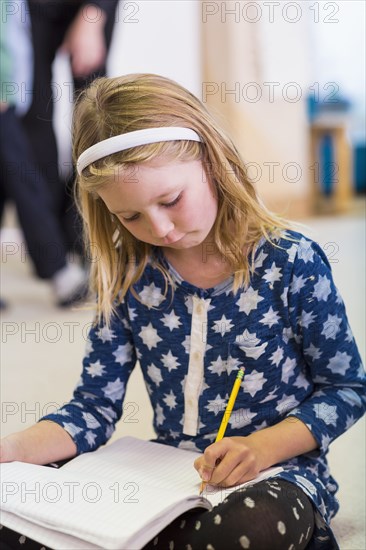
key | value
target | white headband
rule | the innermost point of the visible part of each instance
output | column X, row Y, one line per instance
column 133, row 139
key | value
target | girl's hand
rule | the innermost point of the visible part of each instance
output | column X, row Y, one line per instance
column 234, row 460
column 229, row 462
column 42, row 443
column 10, row 449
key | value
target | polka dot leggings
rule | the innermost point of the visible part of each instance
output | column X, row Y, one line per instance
column 273, row 514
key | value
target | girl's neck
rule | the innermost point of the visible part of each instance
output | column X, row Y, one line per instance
column 199, row 266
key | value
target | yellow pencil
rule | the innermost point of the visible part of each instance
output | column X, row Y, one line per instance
column 228, row 411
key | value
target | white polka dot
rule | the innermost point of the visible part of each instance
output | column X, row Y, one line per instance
column 296, row 513
column 197, row 525
column 210, row 547
column 217, row 519
column 188, row 547
column 183, row 524
column 171, row 545
column 249, row 502
column 22, row 539
column 155, row 542
column 43, row 548
column 281, row 527
column 302, row 536
column 274, row 495
column 275, row 487
column 308, row 531
column 291, row 547
column 244, row 542
column 300, row 503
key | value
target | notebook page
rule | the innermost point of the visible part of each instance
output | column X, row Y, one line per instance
column 163, row 462
column 49, row 537
column 165, row 466
column 89, row 499
column 130, row 479
column 216, row 495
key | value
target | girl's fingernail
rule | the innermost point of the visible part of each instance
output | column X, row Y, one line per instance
column 205, row 475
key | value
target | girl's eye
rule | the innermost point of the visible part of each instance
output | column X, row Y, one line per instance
column 131, row 219
column 166, row 205
column 174, row 202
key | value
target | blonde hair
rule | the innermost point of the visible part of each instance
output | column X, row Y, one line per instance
column 113, row 106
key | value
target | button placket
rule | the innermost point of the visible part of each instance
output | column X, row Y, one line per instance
column 194, row 379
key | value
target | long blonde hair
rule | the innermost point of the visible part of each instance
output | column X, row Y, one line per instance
column 113, row 106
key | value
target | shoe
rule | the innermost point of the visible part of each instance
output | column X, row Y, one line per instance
column 70, row 285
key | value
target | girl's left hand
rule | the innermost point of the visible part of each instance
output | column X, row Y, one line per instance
column 229, row 462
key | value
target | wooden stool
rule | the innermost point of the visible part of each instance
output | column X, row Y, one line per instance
column 342, row 188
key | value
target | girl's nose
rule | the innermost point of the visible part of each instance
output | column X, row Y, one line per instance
column 160, row 226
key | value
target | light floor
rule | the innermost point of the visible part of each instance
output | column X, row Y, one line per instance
column 42, row 348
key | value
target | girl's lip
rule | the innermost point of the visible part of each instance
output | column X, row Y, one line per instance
column 168, row 240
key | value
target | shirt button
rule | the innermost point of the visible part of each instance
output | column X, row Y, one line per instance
column 190, row 402
column 199, row 309
column 197, row 355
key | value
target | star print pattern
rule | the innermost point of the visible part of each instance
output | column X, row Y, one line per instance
column 123, row 353
column 223, row 325
column 331, row 327
column 254, row 382
column 170, row 400
column 149, row 336
column 171, row 320
column 322, row 288
column 249, row 300
column 288, row 328
column 151, row 296
column 105, row 334
column 273, row 274
column 270, row 318
column 95, row 369
column 169, row 361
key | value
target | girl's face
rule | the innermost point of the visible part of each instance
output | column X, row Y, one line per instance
column 164, row 203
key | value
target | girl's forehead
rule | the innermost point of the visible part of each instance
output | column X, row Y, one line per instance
column 158, row 168
column 152, row 181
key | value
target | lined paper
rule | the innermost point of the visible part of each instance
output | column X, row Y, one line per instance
column 119, row 496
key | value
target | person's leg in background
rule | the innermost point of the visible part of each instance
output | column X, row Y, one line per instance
column 25, row 186
column 51, row 22
column 21, row 180
column 70, row 217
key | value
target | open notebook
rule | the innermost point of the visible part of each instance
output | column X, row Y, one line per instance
column 119, row 496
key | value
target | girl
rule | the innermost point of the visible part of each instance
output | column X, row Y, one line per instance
column 195, row 278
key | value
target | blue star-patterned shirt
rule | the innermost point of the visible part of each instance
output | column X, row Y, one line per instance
column 289, row 329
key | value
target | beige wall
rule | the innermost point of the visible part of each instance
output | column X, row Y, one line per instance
column 254, row 78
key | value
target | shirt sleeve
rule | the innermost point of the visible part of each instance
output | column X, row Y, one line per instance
column 96, row 405
column 320, row 326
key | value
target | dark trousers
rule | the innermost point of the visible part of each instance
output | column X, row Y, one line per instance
column 52, row 216
column 21, row 182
